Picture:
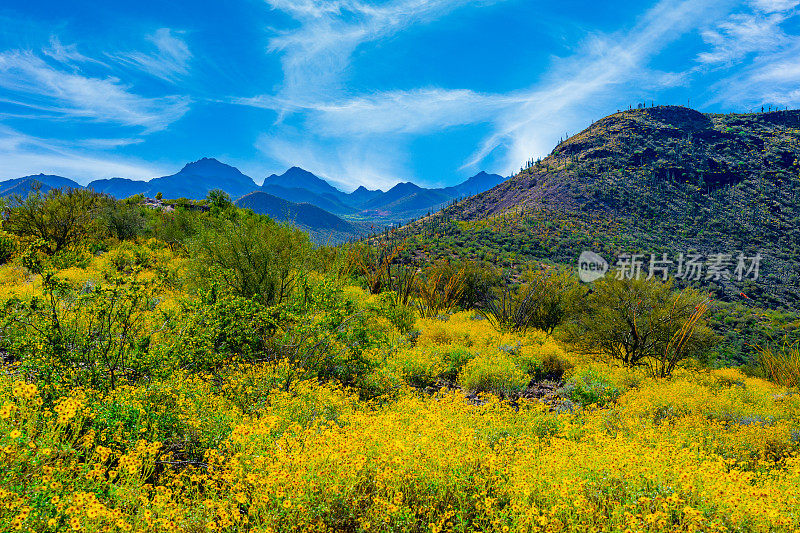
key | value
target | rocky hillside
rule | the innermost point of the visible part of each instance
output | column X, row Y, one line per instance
column 655, row 180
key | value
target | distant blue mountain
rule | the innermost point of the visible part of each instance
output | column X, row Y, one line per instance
column 44, row 182
column 196, row 179
column 297, row 178
column 477, row 184
column 324, row 227
column 193, row 181
column 326, row 201
column 119, row 187
column 363, row 195
column 297, row 186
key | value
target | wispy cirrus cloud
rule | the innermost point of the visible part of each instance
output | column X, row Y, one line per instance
column 29, row 82
column 316, row 58
column 170, row 61
column 24, row 154
column 759, row 44
column 519, row 124
column 316, row 55
column 60, row 84
column 754, row 30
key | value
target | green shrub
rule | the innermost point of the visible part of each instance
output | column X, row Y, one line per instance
column 641, row 323
column 495, row 372
column 542, row 302
column 124, row 220
column 255, row 257
column 59, row 217
column 7, row 247
column 455, row 358
column 440, row 288
column 419, row 368
column 588, row 387
column 97, row 338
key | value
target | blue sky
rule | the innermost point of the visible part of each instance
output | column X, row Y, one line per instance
column 360, row 92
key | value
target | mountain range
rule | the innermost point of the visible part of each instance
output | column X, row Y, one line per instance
column 289, row 196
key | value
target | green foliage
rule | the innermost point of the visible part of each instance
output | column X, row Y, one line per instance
column 374, row 263
column 59, row 218
column 94, row 337
column 124, row 220
column 176, row 228
column 7, row 247
column 781, row 364
column 495, row 372
column 641, row 323
column 401, row 316
column 479, row 280
column 541, row 302
column 440, row 288
column 219, row 200
column 588, row 387
column 254, row 257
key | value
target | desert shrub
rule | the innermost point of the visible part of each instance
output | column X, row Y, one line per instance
column 455, row 357
column 125, row 258
column 59, row 217
column 124, row 220
column 781, row 364
column 7, row 247
column 402, row 282
column 479, row 280
column 541, row 302
column 419, row 368
column 73, row 256
column 554, row 293
column 96, row 338
column 641, row 323
column 508, row 308
column 176, row 228
column 401, row 316
column 221, row 328
column 439, row 288
column 219, row 201
column 254, row 257
column 496, row 372
column 589, row 387
column 373, row 263
column 542, row 363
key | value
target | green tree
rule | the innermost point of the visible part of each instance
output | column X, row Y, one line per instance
column 219, row 199
column 59, row 217
column 254, row 257
column 641, row 323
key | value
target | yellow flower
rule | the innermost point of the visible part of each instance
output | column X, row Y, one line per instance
column 15, row 434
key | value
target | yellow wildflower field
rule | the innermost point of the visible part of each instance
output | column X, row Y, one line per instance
column 705, row 450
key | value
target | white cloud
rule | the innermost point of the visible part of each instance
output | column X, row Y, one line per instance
column 170, row 61
column 774, row 6
column 740, row 35
column 25, row 155
column 66, row 53
column 763, row 53
column 32, row 83
column 362, row 137
column 316, row 55
column 605, row 71
column 408, row 112
column 771, row 78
